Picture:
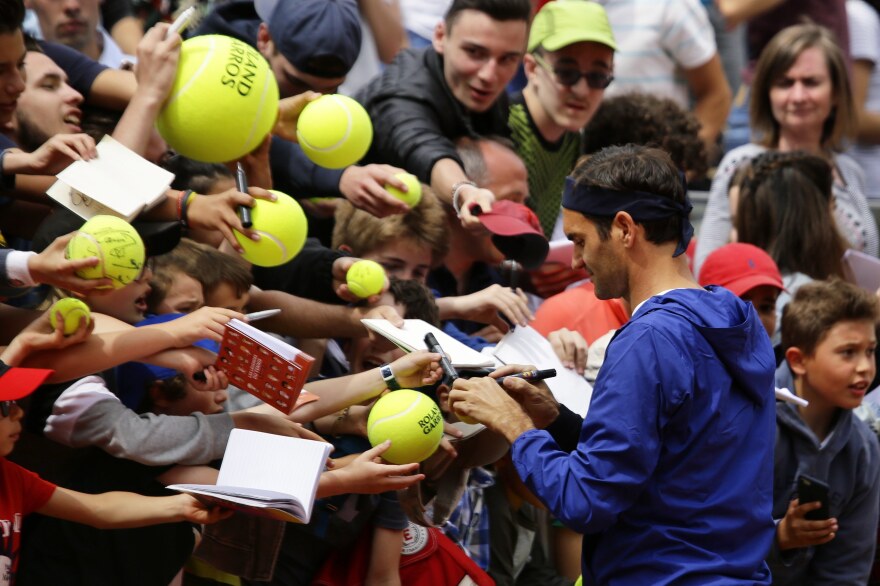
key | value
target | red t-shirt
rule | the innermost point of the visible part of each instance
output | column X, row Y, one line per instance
column 21, row 493
column 580, row 310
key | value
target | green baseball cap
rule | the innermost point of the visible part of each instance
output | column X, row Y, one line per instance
column 560, row 23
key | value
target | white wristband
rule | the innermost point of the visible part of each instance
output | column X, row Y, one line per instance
column 17, row 268
column 456, row 192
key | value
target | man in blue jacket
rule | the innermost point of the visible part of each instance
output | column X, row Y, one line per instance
column 670, row 476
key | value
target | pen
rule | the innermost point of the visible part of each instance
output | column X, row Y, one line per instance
column 530, row 375
column 261, row 314
column 434, row 346
column 244, row 212
column 183, row 21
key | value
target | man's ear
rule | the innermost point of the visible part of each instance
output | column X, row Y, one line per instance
column 626, row 228
column 346, row 248
column 439, row 36
column 796, row 360
column 530, row 66
column 264, row 41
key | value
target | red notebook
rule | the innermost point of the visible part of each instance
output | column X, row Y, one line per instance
column 261, row 364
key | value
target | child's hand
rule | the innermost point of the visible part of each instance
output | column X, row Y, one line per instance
column 340, row 286
column 215, row 380
column 39, row 335
column 193, row 510
column 205, row 322
column 368, row 475
column 417, row 369
column 794, row 531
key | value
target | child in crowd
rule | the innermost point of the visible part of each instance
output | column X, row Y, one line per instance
column 828, row 335
column 23, row 492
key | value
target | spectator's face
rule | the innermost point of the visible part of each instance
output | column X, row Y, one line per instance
column 600, row 258
column 763, row 298
column 48, row 106
column 10, row 429
column 292, row 81
column 506, row 174
column 802, row 99
column 195, row 401
column 183, row 296
column 366, row 353
column 12, row 75
column 841, row 367
column 406, row 259
column 480, row 56
column 128, row 303
column 568, row 107
column 225, row 296
column 70, row 22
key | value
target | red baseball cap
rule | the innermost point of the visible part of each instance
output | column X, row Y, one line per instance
column 18, row 383
column 516, row 232
column 740, row 267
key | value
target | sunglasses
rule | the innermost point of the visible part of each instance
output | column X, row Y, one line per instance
column 6, row 407
column 569, row 76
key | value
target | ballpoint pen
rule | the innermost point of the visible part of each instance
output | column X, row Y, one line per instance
column 244, row 212
column 530, row 375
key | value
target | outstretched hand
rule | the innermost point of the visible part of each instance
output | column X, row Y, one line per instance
column 364, row 187
column 53, row 268
column 218, row 212
column 367, row 474
column 339, row 271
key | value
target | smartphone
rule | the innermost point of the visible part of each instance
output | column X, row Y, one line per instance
column 811, row 490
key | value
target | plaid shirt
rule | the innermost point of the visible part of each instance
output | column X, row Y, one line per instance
column 468, row 525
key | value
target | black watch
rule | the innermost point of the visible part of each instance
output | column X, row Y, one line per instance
column 388, row 377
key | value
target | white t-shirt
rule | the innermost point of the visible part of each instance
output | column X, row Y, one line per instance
column 656, row 41
column 421, row 16
column 864, row 44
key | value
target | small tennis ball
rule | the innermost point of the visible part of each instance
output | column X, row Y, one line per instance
column 411, row 420
column 334, row 131
column 72, row 310
column 223, row 103
column 117, row 245
column 365, row 278
column 282, row 227
column 411, row 197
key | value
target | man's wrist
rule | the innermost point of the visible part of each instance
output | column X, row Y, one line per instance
column 457, row 188
column 517, row 424
column 12, row 162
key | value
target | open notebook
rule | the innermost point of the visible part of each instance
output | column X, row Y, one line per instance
column 266, row 475
column 411, row 337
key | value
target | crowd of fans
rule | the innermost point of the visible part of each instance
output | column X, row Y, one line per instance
column 527, row 122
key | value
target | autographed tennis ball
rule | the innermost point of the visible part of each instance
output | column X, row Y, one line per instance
column 334, row 131
column 365, row 278
column 71, row 310
column 411, row 420
column 411, row 197
column 223, row 103
column 117, row 245
column 282, row 227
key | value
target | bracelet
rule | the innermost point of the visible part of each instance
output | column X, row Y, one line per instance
column 456, row 192
column 186, row 198
column 7, row 181
column 389, row 378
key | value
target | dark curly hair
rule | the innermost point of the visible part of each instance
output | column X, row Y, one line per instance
column 650, row 121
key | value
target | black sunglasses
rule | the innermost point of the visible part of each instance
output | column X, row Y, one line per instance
column 6, row 407
column 569, row 76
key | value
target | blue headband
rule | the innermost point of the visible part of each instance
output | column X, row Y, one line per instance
column 641, row 205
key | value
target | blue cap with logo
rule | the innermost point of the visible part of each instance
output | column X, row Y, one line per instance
column 319, row 37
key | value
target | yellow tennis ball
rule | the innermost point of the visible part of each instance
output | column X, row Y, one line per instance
column 72, row 310
column 411, row 420
column 223, row 103
column 117, row 245
column 282, row 227
column 411, row 197
column 365, row 278
column 334, row 131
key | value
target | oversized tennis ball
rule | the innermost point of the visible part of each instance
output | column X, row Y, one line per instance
column 334, row 131
column 411, row 420
column 72, row 310
column 117, row 245
column 365, row 278
column 282, row 227
column 411, row 197
column 223, row 103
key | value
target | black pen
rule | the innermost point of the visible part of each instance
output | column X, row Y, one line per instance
column 244, row 212
column 434, row 346
column 530, row 375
